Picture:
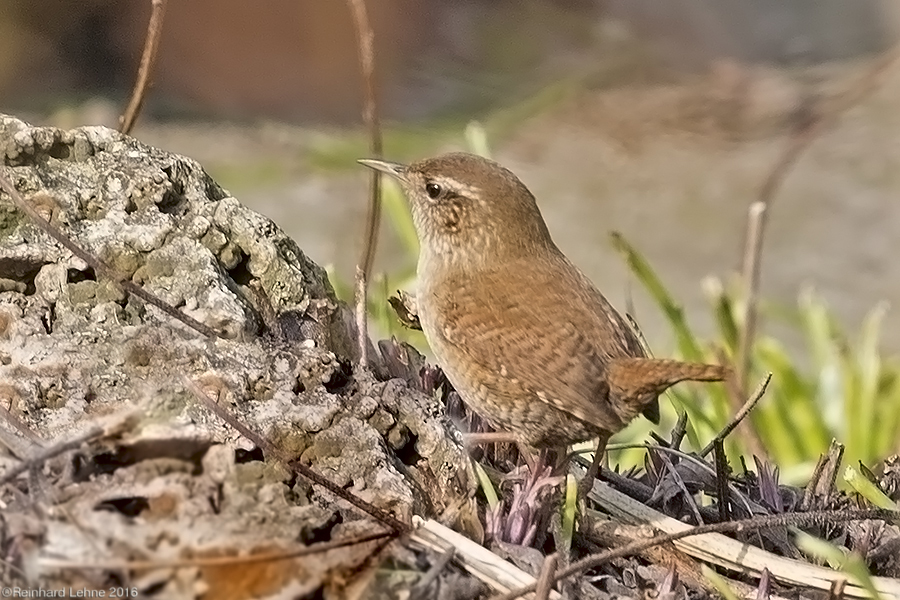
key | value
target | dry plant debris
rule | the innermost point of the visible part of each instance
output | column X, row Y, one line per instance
column 113, row 472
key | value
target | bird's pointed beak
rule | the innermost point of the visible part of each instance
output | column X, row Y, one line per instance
column 396, row 170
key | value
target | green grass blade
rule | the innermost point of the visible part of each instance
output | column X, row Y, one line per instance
column 487, row 487
column 476, row 139
column 852, row 565
column 888, row 410
column 687, row 343
column 833, row 391
column 719, row 583
column 397, row 212
column 724, row 312
column 817, row 325
column 788, row 421
column 568, row 512
column 341, row 288
column 868, row 363
column 868, row 490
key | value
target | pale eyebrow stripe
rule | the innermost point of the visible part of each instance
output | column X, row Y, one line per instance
column 470, row 191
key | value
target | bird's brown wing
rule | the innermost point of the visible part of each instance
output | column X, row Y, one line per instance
column 554, row 346
column 627, row 342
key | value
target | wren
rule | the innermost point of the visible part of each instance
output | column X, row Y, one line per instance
column 522, row 334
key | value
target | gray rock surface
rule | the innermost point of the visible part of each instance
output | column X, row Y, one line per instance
column 74, row 347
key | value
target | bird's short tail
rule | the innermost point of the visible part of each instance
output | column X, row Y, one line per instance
column 638, row 378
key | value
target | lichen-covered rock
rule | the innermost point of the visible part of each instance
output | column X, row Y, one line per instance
column 74, row 345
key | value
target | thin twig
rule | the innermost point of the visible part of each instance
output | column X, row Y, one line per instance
column 365, row 39
column 679, row 431
column 217, row 561
column 148, row 60
column 273, row 451
column 366, row 570
column 43, row 455
column 739, row 416
column 679, row 483
column 751, row 272
column 488, row 437
column 420, row 592
column 839, row 104
column 17, row 445
column 8, row 565
column 361, row 301
column 681, row 569
column 98, row 265
column 545, row 579
column 679, row 453
column 754, row 523
column 737, row 397
column 797, row 144
column 20, row 425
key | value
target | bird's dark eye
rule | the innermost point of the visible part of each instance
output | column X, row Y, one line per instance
column 433, row 190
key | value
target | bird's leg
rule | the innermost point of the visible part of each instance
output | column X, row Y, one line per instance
column 588, row 482
column 500, row 437
column 489, row 437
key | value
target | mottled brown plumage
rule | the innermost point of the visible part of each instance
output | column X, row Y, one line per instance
column 522, row 334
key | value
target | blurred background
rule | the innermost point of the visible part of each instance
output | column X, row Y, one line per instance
column 659, row 120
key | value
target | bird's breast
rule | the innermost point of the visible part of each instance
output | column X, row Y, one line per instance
column 438, row 299
column 431, row 304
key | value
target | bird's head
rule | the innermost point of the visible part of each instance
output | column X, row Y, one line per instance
column 468, row 209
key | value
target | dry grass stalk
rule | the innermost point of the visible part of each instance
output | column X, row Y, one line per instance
column 365, row 39
column 148, row 60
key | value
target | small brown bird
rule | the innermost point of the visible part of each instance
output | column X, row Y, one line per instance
column 524, row 337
